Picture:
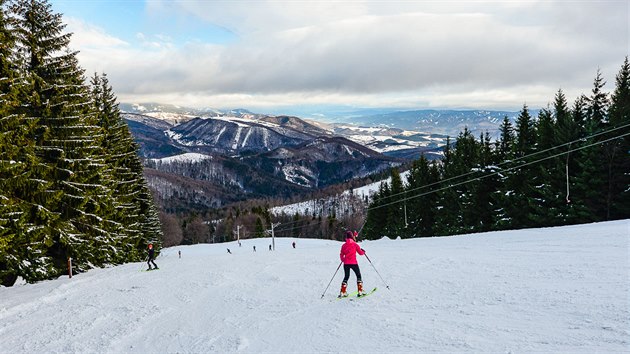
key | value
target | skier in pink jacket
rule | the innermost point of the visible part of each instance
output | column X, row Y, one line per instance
column 348, row 256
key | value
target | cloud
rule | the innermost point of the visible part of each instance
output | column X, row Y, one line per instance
column 86, row 35
column 365, row 53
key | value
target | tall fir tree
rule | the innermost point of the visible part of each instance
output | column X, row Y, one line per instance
column 396, row 206
column 566, row 130
column 67, row 140
column 16, row 165
column 465, row 171
column 488, row 183
column 26, row 224
column 448, row 215
column 375, row 224
column 130, row 211
column 618, row 151
column 421, row 211
column 590, row 189
column 519, row 180
column 259, row 230
column 546, row 201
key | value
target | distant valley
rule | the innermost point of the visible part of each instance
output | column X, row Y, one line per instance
column 205, row 158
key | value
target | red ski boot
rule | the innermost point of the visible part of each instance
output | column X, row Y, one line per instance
column 343, row 292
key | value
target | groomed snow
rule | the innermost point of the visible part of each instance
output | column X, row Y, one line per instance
column 554, row 290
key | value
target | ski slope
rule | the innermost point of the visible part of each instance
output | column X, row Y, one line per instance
column 559, row 290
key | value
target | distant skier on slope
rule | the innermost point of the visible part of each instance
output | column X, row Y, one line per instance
column 151, row 257
column 348, row 256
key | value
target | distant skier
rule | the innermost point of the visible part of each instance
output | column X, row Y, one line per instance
column 229, row 251
column 254, row 248
column 293, row 244
column 270, row 247
column 180, row 254
column 348, row 256
column 151, row 257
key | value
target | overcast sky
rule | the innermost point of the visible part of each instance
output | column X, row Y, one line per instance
column 406, row 54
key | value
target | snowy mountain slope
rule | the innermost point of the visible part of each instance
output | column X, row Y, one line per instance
column 190, row 157
column 230, row 135
column 561, row 289
column 343, row 203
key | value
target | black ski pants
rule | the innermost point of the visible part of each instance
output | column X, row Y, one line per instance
column 151, row 261
column 346, row 272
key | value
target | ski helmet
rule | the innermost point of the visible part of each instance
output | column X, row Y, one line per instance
column 349, row 234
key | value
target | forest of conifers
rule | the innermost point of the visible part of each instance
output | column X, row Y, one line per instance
column 568, row 165
column 71, row 183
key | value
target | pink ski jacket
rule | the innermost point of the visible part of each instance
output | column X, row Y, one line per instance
column 349, row 252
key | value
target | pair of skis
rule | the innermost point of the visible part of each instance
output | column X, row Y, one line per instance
column 355, row 295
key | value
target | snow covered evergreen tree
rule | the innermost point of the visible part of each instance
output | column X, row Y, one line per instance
column 66, row 138
column 132, row 211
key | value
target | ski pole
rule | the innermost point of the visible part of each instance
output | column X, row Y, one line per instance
column 331, row 279
column 379, row 274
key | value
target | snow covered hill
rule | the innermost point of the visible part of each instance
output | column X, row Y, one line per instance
column 556, row 290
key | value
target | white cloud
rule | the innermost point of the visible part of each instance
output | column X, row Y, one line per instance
column 448, row 54
column 86, row 35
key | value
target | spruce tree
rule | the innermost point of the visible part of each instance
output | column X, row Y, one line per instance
column 17, row 159
column 546, row 201
column 67, row 140
column 448, row 216
column 131, row 211
column 590, row 191
column 25, row 224
column 488, row 183
column 566, row 130
column 575, row 210
column 259, row 230
column 618, row 151
column 421, row 207
column 465, row 186
column 505, row 144
column 520, row 179
column 375, row 223
column 396, row 204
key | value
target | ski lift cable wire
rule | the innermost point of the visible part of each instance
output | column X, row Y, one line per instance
column 498, row 165
column 472, row 179
column 512, row 160
column 501, row 171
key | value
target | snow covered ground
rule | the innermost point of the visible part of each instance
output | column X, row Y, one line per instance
column 557, row 290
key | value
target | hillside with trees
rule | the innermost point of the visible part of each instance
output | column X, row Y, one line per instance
column 569, row 165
